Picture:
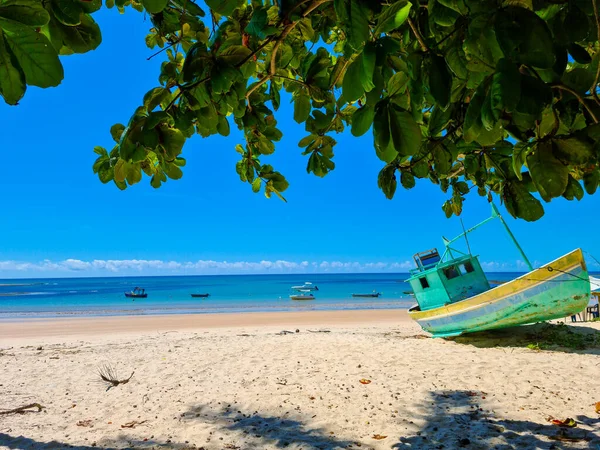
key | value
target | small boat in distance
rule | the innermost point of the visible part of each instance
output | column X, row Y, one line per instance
column 136, row 293
column 454, row 296
column 308, row 286
column 305, row 295
column 372, row 294
column 200, row 295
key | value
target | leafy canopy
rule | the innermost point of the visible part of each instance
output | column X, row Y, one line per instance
column 495, row 95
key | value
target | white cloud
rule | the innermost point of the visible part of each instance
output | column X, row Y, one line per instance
column 99, row 267
column 124, row 267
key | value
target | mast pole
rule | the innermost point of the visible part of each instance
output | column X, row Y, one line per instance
column 497, row 214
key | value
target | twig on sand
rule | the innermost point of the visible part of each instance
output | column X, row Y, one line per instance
column 133, row 424
column 285, row 332
column 319, row 331
column 109, row 376
column 24, row 409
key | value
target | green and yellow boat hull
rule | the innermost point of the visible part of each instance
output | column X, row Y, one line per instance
column 556, row 290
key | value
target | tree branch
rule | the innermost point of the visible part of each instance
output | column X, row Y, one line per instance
column 594, row 88
column 562, row 87
column 415, row 31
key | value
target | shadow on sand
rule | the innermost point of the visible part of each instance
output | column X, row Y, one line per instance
column 541, row 336
column 263, row 430
column 457, row 419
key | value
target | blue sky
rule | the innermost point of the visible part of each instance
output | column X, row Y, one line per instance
column 58, row 218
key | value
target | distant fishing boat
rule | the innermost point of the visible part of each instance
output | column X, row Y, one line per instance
column 372, row 294
column 303, row 296
column 307, row 286
column 200, row 295
column 454, row 295
column 136, row 293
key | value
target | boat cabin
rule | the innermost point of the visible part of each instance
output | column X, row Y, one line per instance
column 437, row 281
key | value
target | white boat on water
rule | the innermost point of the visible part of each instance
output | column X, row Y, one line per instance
column 308, row 286
column 303, row 294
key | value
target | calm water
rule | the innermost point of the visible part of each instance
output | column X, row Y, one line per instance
column 228, row 293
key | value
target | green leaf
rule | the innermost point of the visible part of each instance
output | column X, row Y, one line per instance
column 574, row 150
column 84, row 37
column 440, row 81
column 520, row 203
column 392, row 17
column 525, row 37
column 368, row 66
column 549, row 175
column 397, row 84
column 223, row 7
column 381, row 134
column 172, row 171
column 405, row 132
column 579, row 79
column 155, row 97
column 12, row 78
column 116, row 131
column 27, row 12
column 36, row 56
column 573, row 190
column 591, row 181
column 258, row 23
column 519, row 156
column 472, row 126
column 579, row 54
column 256, row 185
column 362, row 119
column 442, row 159
column 407, row 180
column 386, row 180
column 68, row 12
column 234, row 54
column 301, row 106
column 505, row 91
column 172, row 141
column 357, row 25
column 352, row 84
column 223, row 126
column 154, row 6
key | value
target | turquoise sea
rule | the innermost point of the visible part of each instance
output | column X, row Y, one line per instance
column 54, row 297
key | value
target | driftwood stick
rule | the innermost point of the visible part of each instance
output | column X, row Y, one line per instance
column 24, row 409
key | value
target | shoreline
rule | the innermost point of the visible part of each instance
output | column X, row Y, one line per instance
column 37, row 328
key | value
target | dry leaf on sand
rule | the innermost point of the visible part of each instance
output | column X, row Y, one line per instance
column 364, row 381
column 378, row 436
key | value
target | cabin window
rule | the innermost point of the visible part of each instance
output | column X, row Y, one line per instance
column 468, row 267
column 424, row 282
column 451, row 272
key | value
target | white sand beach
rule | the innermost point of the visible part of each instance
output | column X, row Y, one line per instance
column 235, row 382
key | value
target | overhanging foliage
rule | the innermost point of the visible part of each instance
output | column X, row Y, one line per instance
column 500, row 96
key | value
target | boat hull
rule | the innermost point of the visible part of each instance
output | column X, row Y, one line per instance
column 301, row 297
column 366, row 295
column 200, row 295
column 130, row 295
column 556, row 290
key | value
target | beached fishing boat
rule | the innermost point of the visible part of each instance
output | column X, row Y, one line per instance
column 200, row 295
column 455, row 297
column 136, row 293
column 307, row 286
column 372, row 294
